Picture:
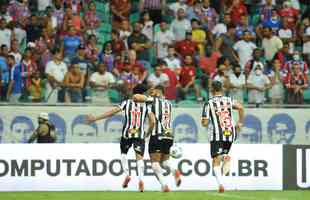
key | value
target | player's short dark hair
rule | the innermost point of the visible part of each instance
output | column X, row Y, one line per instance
column 139, row 89
column 160, row 88
column 217, row 86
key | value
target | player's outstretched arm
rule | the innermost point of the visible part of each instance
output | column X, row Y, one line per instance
column 91, row 119
column 139, row 98
column 238, row 106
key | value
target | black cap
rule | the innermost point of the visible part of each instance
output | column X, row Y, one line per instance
column 139, row 89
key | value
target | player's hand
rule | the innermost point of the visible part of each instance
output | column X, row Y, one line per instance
column 90, row 119
column 239, row 126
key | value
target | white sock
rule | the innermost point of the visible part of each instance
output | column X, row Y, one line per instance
column 166, row 164
column 140, row 165
column 125, row 164
column 218, row 175
column 159, row 173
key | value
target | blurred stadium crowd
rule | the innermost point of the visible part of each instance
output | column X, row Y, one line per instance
column 97, row 51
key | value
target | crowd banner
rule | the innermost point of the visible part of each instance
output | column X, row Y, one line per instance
column 97, row 167
column 296, row 167
column 267, row 126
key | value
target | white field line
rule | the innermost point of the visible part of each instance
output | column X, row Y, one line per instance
column 233, row 196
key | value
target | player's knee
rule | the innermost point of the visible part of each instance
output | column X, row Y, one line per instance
column 156, row 166
column 216, row 160
column 166, row 163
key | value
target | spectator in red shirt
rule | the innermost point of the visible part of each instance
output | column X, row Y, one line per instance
column 296, row 83
column 283, row 55
column 118, row 45
column 296, row 59
column 187, row 46
column 131, row 63
column 208, row 65
column 187, row 80
column 291, row 13
column 171, row 88
column 237, row 10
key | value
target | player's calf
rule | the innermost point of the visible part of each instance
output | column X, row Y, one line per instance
column 226, row 164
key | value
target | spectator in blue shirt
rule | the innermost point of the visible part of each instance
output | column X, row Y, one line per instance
column 4, row 78
column 274, row 22
column 16, row 84
column 71, row 42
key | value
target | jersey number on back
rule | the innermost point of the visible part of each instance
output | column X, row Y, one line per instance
column 135, row 119
column 225, row 120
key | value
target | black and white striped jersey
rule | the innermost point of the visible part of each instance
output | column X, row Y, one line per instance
column 218, row 110
column 162, row 110
column 135, row 114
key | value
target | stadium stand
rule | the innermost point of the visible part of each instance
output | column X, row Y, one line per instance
column 218, row 35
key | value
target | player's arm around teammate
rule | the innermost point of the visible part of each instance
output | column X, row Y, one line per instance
column 161, row 138
column 92, row 119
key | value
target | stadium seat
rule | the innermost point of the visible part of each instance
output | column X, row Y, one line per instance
column 134, row 17
column 114, row 95
column 307, row 95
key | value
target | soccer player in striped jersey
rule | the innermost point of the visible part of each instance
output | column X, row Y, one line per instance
column 133, row 132
column 161, row 138
column 218, row 110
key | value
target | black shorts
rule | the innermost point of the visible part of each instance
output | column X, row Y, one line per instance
column 220, row 148
column 138, row 145
column 157, row 145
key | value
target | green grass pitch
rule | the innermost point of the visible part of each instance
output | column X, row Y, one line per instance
column 187, row 195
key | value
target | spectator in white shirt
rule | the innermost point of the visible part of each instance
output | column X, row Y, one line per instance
column 158, row 78
column 245, row 48
column 257, row 85
column 237, row 84
column 221, row 28
column 173, row 62
column 100, row 82
column 19, row 33
column 276, row 76
column 55, row 71
column 287, row 35
column 43, row 4
column 15, row 51
column 4, row 13
column 180, row 25
column 306, row 38
column 271, row 44
column 6, row 34
column 148, row 26
column 163, row 38
column 256, row 60
column 179, row 4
